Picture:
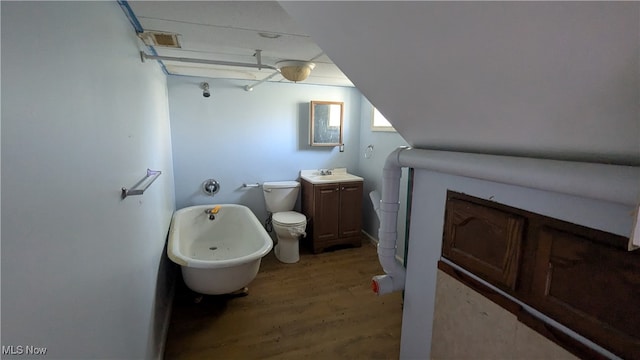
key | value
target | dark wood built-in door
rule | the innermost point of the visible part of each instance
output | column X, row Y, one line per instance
column 484, row 240
column 590, row 287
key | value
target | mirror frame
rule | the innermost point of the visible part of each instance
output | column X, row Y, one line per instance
column 312, row 133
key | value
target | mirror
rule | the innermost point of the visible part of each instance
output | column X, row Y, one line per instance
column 326, row 123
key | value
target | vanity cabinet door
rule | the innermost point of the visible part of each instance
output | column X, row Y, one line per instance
column 350, row 209
column 327, row 214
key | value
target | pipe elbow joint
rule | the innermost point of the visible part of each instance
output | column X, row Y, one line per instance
column 393, row 160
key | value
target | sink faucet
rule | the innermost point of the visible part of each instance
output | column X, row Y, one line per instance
column 325, row 171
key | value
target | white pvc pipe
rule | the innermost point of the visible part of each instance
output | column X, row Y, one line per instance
column 250, row 87
column 394, row 277
column 612, row 183
column 375, row 200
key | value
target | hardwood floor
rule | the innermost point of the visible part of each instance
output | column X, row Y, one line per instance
column 319, row 308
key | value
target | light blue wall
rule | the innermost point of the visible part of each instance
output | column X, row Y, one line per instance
column 239, row 137
column 83, row 272
column 383, row 143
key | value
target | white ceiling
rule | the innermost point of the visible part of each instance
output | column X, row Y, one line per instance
column 230, row 31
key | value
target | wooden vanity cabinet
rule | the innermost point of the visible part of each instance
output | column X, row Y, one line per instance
column 334, row 213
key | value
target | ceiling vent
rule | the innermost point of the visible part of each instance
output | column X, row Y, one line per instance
column 159, row 38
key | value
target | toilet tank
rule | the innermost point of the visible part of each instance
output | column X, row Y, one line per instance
column 280, row 195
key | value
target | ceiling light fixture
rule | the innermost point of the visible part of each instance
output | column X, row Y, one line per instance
column 295, row 70
column 267, row 35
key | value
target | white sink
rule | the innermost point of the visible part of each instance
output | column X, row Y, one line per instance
column 337, row 175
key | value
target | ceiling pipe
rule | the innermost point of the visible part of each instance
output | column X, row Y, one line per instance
column 144, row 56
column 258, row 56
column 250, row 87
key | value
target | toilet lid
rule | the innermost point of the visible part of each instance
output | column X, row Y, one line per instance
column 289, row 218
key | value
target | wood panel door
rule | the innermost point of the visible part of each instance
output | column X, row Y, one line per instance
column 327, row 214
column 350, row 209
column 483, row 240
column 591, row 288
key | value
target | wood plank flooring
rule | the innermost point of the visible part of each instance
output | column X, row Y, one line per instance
column 319, row 308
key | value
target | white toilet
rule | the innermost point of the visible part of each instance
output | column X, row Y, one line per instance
column 280, row 197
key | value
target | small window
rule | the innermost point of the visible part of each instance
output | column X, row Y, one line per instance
column 379, row 122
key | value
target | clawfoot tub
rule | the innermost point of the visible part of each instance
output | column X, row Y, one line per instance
column 219, row 247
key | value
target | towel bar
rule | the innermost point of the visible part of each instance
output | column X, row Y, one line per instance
column 142, row 185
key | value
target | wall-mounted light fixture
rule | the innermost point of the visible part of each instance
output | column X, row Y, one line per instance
column 295, row 70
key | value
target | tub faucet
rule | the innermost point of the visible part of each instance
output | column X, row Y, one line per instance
column 212, row 212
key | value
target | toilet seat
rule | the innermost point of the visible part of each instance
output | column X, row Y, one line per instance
column 289, row 219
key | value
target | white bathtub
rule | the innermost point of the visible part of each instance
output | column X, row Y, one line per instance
column 217, row 256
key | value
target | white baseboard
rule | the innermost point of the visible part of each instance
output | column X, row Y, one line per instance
column 373, row 240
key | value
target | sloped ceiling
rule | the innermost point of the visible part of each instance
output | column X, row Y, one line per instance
column 546, row 79
column 232, row 31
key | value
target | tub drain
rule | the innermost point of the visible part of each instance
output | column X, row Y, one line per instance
column 213, row 248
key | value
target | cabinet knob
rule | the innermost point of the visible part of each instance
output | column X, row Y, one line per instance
column 343, row 188
column 337, row 189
